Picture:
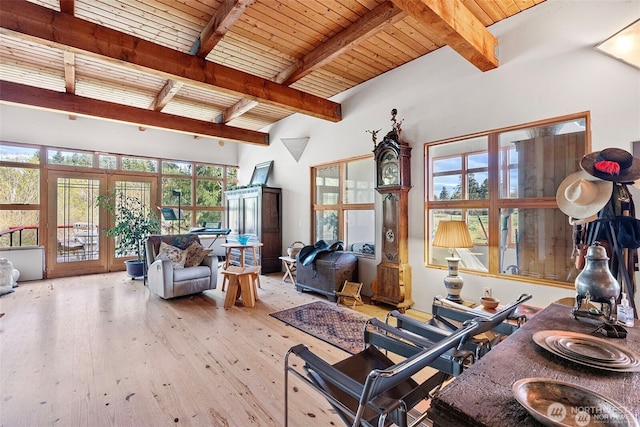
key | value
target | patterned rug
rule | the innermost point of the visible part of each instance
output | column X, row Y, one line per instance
column 340, row 327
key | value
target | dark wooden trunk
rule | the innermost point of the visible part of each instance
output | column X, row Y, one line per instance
column 327, row 273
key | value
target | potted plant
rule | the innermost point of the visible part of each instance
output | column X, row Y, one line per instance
column 134, row 221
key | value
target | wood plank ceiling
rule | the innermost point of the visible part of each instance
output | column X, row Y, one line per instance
column 225, row 68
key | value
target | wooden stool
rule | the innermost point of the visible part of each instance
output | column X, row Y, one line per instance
column 242, row 283
column 350, row 291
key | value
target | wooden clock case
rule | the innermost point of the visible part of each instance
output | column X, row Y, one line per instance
column 392, row 284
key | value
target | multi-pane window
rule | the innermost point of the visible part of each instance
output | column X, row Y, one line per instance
column 503, row 184
column 195, row 189
column 343, row 204
column 19, row 195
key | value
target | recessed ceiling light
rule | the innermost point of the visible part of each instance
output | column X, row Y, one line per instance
column 624, row 45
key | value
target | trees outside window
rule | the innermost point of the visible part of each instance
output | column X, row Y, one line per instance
column 503, row 184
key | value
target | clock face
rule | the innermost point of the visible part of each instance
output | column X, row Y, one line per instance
column 389, row 172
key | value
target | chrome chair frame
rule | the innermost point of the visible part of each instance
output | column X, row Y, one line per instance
column 387, row 392
column 448, row 315
column 372, row 394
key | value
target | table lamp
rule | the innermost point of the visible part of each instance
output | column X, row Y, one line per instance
column 453, row 234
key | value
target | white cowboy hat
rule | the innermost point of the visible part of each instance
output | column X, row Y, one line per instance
column 581, row 195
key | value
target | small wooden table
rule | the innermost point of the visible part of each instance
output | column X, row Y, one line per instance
column 242, row 248
column 289, row 268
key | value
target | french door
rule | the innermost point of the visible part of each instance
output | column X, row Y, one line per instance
column 143, row 188
column 76, row 228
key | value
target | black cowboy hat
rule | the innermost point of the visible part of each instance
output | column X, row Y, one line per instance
column 612, row 164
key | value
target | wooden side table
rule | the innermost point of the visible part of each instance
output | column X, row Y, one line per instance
column 242, row 248
column 289, row 268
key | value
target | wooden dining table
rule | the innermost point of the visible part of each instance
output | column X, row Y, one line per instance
column 482, row 395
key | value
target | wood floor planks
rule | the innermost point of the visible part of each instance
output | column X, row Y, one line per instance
column 101, row 351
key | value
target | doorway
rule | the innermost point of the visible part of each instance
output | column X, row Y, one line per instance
column 142, row 188
column 76, row 227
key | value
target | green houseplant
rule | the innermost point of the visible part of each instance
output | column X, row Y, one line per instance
column 134, row 221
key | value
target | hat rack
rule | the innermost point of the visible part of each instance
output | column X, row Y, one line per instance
column 622, row 259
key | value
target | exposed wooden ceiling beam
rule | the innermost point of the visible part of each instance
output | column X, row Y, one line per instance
column 65, row 31
column 68, row 6
column 70, row 75
column 70, row 72
column 15, row 93
column 226, row 15
column 373, row 22
column 236, row 110
column 376, row 20
column 168, row 91
column 456, row 26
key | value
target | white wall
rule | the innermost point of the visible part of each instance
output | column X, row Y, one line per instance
column 548, row 68
column 35, row 126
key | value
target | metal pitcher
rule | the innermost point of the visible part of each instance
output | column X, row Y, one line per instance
column 595, row 282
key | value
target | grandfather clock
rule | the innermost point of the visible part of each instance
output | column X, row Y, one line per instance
column 392, row 284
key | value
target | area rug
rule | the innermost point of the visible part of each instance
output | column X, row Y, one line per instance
column 340, row 327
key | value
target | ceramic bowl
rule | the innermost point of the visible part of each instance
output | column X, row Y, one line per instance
column 489, row 302
column 243, row 239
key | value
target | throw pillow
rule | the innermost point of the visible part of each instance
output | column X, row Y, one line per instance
column 195, row 254
column 173, row 254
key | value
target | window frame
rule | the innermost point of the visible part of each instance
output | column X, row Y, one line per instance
column 499, row 199
column 191, row 209
column 341, row 206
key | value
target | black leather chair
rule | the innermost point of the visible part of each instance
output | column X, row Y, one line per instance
column 447, row 316
column 369, row 388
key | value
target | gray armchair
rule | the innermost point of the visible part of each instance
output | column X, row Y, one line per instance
column 169, row 282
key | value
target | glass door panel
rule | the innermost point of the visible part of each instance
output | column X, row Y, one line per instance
column 75, row 244
column 142, row 188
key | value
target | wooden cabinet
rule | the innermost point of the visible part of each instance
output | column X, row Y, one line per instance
column 258, row 211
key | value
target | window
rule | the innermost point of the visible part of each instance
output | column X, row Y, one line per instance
column 200, row 186
column 69, row 158
column 139, row 164
column 19, row 195
column 503, row 184
column 343, row 204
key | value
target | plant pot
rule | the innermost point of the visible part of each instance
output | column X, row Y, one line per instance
column 135, row 268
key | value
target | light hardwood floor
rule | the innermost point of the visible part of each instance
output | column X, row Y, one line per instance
column 100, row 350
